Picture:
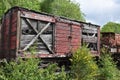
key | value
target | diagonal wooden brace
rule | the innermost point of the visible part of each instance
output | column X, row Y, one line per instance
column 35, row 38
column 36, row 31
column 91, row 36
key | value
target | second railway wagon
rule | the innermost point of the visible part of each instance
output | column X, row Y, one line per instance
column 50, row 36
column 111, row 41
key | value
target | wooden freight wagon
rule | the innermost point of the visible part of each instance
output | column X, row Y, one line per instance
column 111, row 41
column 50, row 36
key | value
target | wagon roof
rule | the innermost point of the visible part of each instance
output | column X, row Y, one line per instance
column 21, row 8
column 109, row 33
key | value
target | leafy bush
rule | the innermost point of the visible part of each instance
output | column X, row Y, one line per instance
column 28, row 70
column 83, row 66
column 108, row 69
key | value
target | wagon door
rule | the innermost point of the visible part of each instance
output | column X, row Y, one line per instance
column 36, row 35
column 76, row 37
column 62, row 41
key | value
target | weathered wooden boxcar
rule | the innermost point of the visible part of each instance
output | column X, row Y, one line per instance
column 50, row 36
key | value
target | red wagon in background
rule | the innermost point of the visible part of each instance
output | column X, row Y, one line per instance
column 111, row 41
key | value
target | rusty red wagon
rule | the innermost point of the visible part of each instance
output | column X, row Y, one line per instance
column 111, row 41
column 51, row 36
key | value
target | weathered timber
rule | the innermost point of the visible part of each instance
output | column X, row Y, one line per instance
column 89, row 31
column 34, row 39
column 45, row 39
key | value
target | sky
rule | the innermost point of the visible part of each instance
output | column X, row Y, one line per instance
column 100, row 11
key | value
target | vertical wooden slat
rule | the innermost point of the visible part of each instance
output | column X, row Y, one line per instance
column 18, row 33
column 98, row 43
column 2, row 37
column 6, row 36
column 9, row 34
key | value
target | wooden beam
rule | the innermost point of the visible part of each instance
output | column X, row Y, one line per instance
column 36, row 31
column 90, row 27
column 89, row 39
column 35, row 38
column 29, row 23
column 89, row 31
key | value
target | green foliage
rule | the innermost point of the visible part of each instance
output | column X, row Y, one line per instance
column 108, row 70
column 64, row 8
column 7, row 4
column 111, row 27
column 83, row 66
column 28, row 70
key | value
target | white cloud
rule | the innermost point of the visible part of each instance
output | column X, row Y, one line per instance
column 100, row 11
column 97, row 5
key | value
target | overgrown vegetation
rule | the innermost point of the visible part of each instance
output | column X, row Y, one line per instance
column 111, row 27
column 83, row 67
column 7, row 4
column 66, row 8
column 107, row 69
column 29, row 70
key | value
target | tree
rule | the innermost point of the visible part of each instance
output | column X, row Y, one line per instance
column 111, row 27
column 7, row 4
column 65, row 8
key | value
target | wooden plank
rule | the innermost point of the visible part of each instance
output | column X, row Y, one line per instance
column 41, row 48
column 62, row 49
column 76, row 26
column 61, row 36
column 76, row 33
column 24, row 42
column 62, row 31
column 86, row 36
column 41, row 24
column 67, row 21
column 46, row 44
column 61, row 24
column 62, row 28
column 37, row 16
column 47, row 38
column 75, row 41
column 62, row 43
column 42, row 52
column 89, row 31
column 27, row 37
column 89, row 27
column 76, row 36
column 64, row 39
column 34, row 39
column 90, row 40
column 76, row 30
